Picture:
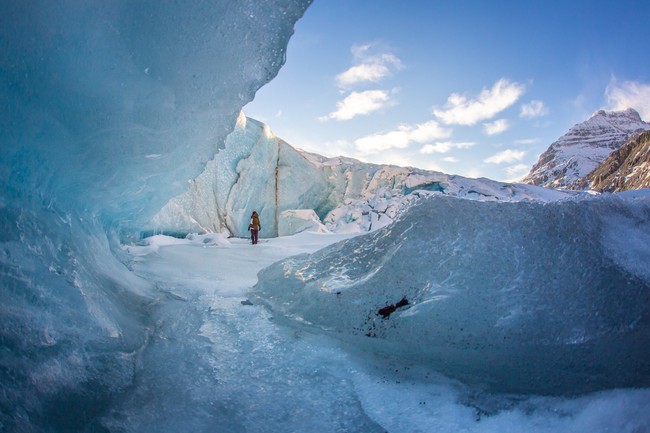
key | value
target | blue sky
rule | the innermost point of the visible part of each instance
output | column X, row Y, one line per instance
column 476, row 88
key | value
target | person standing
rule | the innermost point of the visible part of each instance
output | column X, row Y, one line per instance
column 254, row 227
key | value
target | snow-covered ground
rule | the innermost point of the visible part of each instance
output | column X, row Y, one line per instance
column 241, row 369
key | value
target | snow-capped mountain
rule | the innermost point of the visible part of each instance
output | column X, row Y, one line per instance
column 624, row 169
column 259, row 171
column 584, row 147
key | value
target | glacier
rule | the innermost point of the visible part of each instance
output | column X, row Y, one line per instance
column 108, row 108
column 259, row 171
column 528, row 297
column 111, row 112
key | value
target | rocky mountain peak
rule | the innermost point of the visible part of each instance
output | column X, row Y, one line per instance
column 624, row 169
column 584, row 147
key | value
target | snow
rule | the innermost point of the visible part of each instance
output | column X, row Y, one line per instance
column 259, row 373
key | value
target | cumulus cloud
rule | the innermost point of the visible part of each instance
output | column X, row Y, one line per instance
column 361, row 73
column 401, row 138
column 533, row 109
column 444, row 147
column 428, row 131
column 465, row 144
column 439, row 147
column 496, row 127
column 629, row 94
column 508, row 156
column 460, row 110
column 359, row 104
column 369, row 67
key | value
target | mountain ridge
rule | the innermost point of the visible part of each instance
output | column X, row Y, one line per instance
column 625, row 169
column 584, row 147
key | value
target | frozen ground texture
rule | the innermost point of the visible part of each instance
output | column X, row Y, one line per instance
column 107, row 110
column 216, row 361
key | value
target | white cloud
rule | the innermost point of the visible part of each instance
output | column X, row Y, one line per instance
column 428, row 131
column 359, row 104
column 465, row 144
column 462, row 111
column 496, row 127
column 439, row 147
column 629, row 94
column 450, row 159
column 444, row 147
column 361, row 73
column 369, row 67
column 401, row 138
column 507, row 156
column 533, row 109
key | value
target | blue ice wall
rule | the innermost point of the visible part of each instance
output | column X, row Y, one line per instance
column 106, row 109
column 114, row 105
column 517, row 297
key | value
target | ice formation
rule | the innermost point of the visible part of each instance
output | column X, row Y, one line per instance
column 109, row 109
column 259, row 171
column 521, row 297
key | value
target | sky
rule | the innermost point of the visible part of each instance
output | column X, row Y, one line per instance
column 474, row 88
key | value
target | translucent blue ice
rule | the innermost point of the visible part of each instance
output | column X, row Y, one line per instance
column 106, row 110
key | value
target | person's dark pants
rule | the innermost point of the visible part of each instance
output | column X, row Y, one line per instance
column 254, row 236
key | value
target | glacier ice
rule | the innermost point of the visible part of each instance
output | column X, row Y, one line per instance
column 111, row 107
column 259, row 171
column 524, row 297
column 107, row 109
column 299, row 220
